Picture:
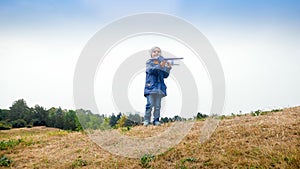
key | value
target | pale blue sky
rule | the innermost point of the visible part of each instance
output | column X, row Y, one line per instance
column 47, row 12
column 257, row 42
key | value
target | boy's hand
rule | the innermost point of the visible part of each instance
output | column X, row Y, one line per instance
column 163, row 63
column 169, row 65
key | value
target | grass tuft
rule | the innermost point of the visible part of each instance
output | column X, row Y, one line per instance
column 4, row 145
column 146, row 159
column 5, row 161
column 57, row 133
column 79, row 163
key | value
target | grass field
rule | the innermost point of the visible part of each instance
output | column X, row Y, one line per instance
column 264, row 141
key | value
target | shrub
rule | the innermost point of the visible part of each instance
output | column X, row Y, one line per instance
column 146, row 158
column 4, row 125
column 4, row 145
column 18, row 123
column 4, row 161
column 276, row 110
column 256, row 113
column 79, row 163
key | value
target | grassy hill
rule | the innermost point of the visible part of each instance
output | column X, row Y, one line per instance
column 271, row 140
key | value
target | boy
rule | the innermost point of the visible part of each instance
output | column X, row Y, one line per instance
column 156, row 70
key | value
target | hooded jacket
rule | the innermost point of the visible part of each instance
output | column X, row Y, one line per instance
column 155, row 75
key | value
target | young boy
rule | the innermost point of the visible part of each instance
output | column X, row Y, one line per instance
column 156, row 70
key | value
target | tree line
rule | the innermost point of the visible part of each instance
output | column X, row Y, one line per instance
column 21, row 115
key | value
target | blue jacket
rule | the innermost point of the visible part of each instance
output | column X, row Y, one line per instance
column 155, row 75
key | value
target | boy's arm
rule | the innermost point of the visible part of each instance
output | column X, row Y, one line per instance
column 166, row 71
column 152, row 68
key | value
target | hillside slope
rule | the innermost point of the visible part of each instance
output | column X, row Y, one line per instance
column 265, row 141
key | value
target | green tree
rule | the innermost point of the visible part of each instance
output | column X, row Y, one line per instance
column 19, row 110
column 29, row 116
column 59, row 119
column 119, row 116
column 88, row 120
column 165, row 119
column 18, row 123
column 105, row 124
column 177, row 118
column 51, row 117
column 70, row 120
column 135, row 119
column 41, row 116
column 95, row 121
column 113, row 120
column 122, row 121
column 83, row 118
column 201, row 116
column 4, row 114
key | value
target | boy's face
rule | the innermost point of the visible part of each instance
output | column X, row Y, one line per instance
column 156, row 52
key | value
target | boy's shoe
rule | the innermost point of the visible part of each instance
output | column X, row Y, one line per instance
column 146, row 123
column 156, row 123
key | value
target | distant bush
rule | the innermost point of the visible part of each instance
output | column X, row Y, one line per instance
column 260, row 113
column 221, row 117
column 18, row 123
column 201, row 116
column 256, row 113
column 276, row 110
column 4, row 125
column 37, row 122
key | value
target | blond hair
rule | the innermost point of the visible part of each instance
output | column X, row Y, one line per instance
column 152, row 49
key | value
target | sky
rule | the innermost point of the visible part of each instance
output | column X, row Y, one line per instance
column 257, row 43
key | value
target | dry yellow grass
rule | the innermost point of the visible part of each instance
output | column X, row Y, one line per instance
column 267, row 141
